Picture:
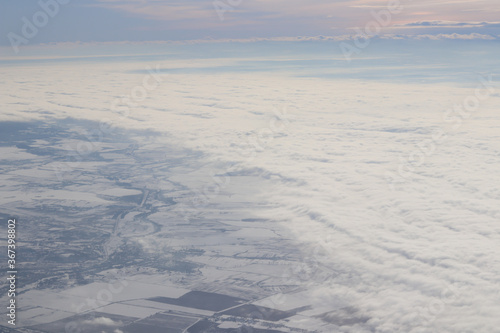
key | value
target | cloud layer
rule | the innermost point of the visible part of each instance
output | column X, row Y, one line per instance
column 413, row 253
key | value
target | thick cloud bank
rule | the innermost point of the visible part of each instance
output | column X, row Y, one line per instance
column 388, row 182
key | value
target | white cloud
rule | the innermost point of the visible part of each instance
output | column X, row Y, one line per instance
column 449, row 24
column 456, row 36
column 420, row 258
column 103, row 321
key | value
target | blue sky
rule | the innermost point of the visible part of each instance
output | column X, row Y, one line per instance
column 160, row 20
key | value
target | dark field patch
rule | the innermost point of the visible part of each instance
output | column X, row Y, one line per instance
column 258, row 312
column 201, row 300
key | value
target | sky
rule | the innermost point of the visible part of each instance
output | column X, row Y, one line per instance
column 162, row 20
